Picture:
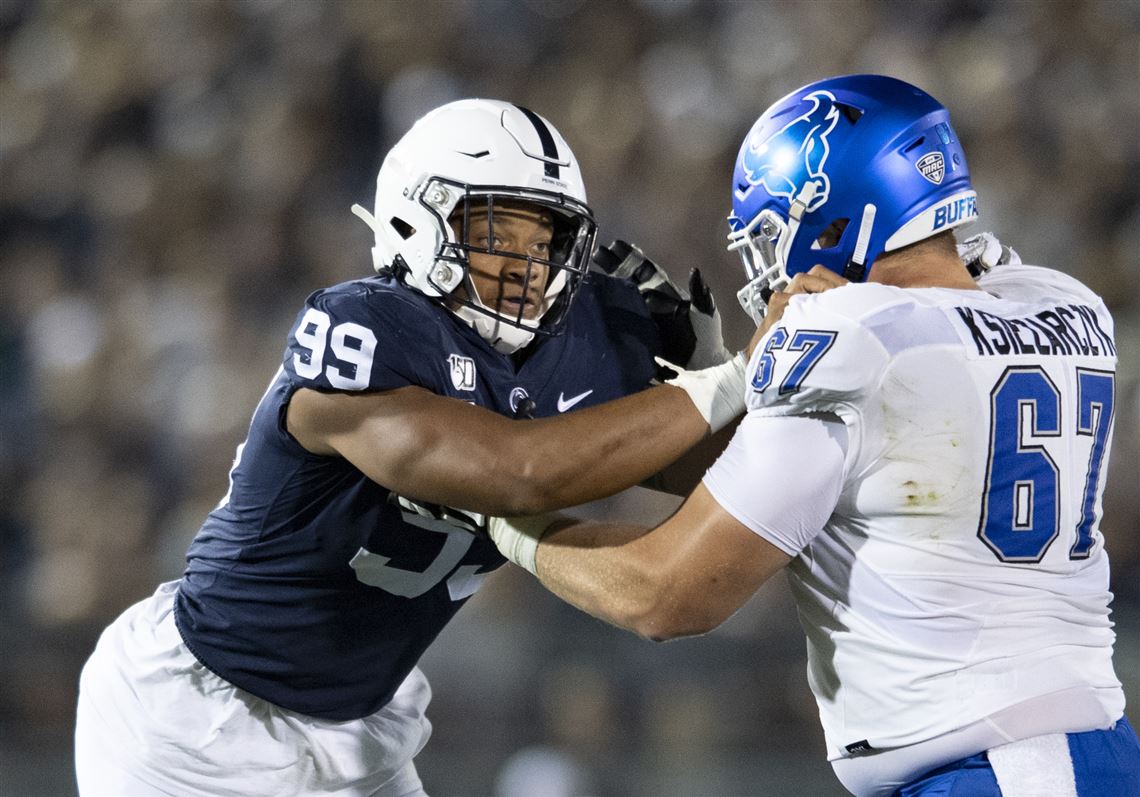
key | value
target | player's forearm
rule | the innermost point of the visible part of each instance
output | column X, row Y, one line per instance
column 503, row 467
column 436, row 449
column 685, row 577
column 682, row 476
column 587, row 455
column 627, row 575
column 606, row 570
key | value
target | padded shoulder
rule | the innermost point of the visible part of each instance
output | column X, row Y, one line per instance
column 359, row 335
column 856, row 301
column 1031, row 284
column 822, row 356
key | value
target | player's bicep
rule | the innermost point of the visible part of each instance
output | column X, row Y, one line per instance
column 308, row 420
column 781, row 477
column 715, row 563
column 813, row 360
column 684, row 577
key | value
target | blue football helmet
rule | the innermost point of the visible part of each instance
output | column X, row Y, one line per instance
column 869, row 155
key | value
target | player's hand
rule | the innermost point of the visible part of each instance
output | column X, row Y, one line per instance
column 438, row 517
column 688, row 322
column 717, row 392
column 817, row 280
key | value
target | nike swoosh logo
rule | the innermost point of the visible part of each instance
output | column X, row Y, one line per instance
column 566, row 403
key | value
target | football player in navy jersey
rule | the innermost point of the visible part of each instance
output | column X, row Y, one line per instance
column 284, row 660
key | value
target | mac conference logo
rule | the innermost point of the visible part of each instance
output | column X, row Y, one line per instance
column 932, row 166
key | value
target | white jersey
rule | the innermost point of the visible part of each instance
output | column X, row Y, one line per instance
column 962, row 570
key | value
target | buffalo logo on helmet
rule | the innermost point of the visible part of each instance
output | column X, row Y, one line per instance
column 795, row 156
column 932, row 166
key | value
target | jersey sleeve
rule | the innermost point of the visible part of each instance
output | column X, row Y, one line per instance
column 350, row 340
column 818, row 358
column 781, row 477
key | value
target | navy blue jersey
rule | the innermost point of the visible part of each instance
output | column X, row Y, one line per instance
column 307, row 586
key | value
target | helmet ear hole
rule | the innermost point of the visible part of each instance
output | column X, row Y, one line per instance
column 850, row 112
column 829, row 238
column 402, row 228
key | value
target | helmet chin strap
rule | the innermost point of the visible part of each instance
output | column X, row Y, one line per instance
column 504, row 338
column 795, row 213
column 856, row 268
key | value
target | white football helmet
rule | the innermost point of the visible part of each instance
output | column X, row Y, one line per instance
column 468, row 155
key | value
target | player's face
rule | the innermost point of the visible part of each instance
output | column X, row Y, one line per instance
column 502, row 282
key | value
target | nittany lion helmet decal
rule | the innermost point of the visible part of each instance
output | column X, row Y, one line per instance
column 869, row 158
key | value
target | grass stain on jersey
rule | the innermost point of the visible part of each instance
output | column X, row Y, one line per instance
column 915, row 497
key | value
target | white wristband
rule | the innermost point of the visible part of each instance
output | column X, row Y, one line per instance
column 717, row 392
column 517, row 538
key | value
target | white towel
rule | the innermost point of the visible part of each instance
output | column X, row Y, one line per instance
column 1039, row 766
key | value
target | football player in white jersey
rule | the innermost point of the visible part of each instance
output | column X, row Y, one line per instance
column 924, row 454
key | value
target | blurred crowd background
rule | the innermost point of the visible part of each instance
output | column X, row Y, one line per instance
column 176, row 176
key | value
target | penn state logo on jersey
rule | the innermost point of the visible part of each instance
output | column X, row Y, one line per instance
column 795, row 156
column 932, row 166
column 518, row 397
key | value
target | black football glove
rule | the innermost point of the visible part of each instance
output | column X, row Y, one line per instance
column 688, row 323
